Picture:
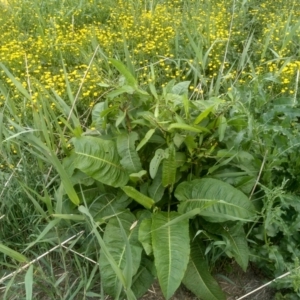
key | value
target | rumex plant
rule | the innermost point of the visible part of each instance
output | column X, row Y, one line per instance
column 160, row 175
column 139, row 176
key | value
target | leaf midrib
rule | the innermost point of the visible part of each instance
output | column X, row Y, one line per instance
column 221, row 201
column 100, row 159
column 201, row 279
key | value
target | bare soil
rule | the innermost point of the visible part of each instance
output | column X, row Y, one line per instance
column 234, row 282
column 237, row 283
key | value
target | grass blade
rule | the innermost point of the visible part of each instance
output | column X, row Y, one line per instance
column 13, row 254
column 29, row 283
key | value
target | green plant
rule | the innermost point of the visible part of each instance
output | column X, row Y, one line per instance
column 276, row 237
column 156, row 166
column 139, row 177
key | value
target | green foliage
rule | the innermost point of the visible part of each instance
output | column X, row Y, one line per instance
column 154, row 150
column 218, row 201
column 276, row 239
column 150, row 153
column 12, row 253
column 138, row 196
column 171, row 250
column 29, row 282
column 99, row 159
column 170, row 156
column 275, row 249
column 198, row 278
column 126, row 149
column 126, row 258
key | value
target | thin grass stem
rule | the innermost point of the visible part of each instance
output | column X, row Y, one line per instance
column 41, row 256
column 268, row 283
column 79, row 254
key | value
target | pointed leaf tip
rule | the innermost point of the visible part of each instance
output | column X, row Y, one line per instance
column 171, row 250
column 218, row 201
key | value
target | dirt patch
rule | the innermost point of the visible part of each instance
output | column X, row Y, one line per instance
column 154, row 293
column 237, row 283
column 234, row 282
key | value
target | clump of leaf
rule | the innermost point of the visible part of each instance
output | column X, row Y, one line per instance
column 149, row 148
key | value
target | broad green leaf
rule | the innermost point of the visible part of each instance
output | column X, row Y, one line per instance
column 197, row 277
column 176, row 100
column 106, row 205
column 145, row 235
column 181, row 88
column 138, row 197
column 169, row 168
column 79, row 177
column 122, row 90
column 120, row 118
column 190, row 143
column 116, row 245
column 178, row 139
column 126, row 149
column 12, row 253
column 171, row 250
column 143, row 214
column 168, row 87
column 188, row 215
column 155, row 162
column 180, row 158
column 157, row 139
column 123, row 281
column 156, row 189
column 149, row 116
column 239, row 246
column 99, row 159
column 232, row 204
column 179, row 119
column 222, row 127
column 144, row 277
column 187, row 127
column 146, row 138
column 29, row 282
column 144, row 187
column 236, row 237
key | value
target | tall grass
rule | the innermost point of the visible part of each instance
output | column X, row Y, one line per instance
column 54, row 69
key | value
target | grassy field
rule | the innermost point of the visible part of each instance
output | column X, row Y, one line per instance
column 111, row 112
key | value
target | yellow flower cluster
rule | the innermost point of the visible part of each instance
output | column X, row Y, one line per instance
column 277, row 38
column 163, row 40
